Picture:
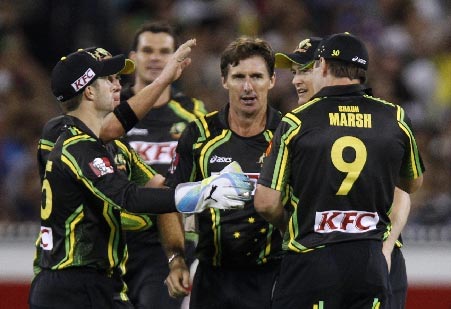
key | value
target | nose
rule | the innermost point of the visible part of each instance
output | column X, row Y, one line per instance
column 297, row 79
column 247, row 85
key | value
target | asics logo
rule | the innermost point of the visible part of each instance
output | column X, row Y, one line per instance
column 216, row 159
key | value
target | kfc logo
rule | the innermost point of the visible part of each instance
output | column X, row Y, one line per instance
column 101, row 166
column 46, row 238
column 155, row 153
column 345, row 221
column 83, row 80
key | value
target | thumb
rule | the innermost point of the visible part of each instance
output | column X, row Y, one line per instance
column 185, row 63
column 185, row 280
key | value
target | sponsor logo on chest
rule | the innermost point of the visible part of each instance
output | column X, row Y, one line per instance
column 345, row 221
column 218, row 159
column 155, row 153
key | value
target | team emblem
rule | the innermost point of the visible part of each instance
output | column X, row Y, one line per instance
column 177, row 129
column 101, row 166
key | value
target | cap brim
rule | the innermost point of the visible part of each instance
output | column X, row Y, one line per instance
column 129, row 67
column 112, row 65
column 285, row 61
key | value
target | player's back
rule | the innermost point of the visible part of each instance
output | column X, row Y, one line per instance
column 358, row 144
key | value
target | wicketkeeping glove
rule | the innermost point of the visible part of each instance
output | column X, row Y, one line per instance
column 231, row 189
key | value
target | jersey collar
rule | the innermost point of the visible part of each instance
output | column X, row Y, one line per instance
column 353, row 89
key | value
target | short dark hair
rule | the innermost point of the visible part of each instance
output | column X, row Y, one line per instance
column 344, row 69
column 72, row 104
column 246, row 47
column 154, row 27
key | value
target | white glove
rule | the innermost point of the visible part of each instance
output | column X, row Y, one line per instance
column 231, row 189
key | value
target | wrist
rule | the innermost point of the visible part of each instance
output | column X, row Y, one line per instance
column 174, row 256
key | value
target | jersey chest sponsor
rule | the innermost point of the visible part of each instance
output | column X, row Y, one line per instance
column 155, row 153
column 345, row 221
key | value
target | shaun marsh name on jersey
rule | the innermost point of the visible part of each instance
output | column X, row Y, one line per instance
column 155, row 153
column 352, row 221
column 349, row 116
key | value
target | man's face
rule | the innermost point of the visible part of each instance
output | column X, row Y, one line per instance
column 303, row 82
column 152, row 54
column 115, row 79
column 248, row 84
column 106, row 93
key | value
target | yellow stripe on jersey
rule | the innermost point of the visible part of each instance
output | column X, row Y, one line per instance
column 281, row 166
column 178, row 109
column 73, row 166
column 113, row 239
column 209, row 147
column 267, row 249
column 45, row 145
column 135, row 222
column 414, row 155
column 216, row 228
column 136, row 160
column 202, row 125
column 199, row 107
column 69, row 242
column 112, row 233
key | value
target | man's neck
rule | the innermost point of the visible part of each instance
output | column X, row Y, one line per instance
column 91, row 118
column 247, row 125
column 162, row 100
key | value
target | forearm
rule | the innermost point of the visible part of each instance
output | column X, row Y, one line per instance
column 140, row 104
column 398, row 217
column 150, row 200
column 269, row 205
column 172, row 236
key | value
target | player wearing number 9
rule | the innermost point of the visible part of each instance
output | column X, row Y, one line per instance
column 340, row 156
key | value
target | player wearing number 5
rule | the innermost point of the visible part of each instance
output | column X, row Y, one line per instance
column 338, row 157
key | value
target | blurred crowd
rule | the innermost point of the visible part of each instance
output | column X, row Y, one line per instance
column 410, row 64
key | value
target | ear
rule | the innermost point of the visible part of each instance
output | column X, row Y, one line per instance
column 323, row 66
column 132, row 55
column 89, row 92
column 224, row 82
column 272, row 81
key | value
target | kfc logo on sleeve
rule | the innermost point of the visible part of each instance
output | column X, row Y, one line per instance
column 345, row 221
column 101, row 166
column 46, row 238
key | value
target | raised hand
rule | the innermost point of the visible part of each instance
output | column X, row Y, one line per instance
column 177, row 62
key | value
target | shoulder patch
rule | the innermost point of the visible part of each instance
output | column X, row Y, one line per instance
column 101, row 166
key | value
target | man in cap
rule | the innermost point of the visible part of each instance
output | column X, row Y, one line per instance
column 129, row 161
column 301, row 64
column 337, row 159
column 81, row 242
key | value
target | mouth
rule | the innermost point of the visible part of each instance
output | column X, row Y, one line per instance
column 248, row 99
column 154, row 69
column 301, row 91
